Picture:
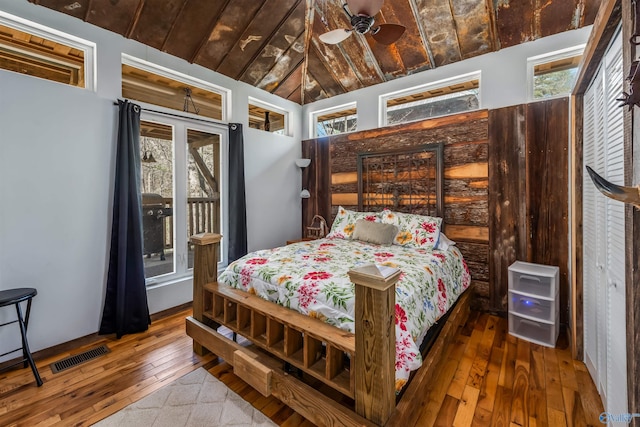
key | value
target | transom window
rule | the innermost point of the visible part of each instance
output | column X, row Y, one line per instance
column 445, row 97
column 553, row 75
column 32, row 49
column 267, row 117
column 334, row 121
column 150, row 83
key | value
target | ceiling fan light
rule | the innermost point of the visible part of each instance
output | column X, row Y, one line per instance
column 365, row 7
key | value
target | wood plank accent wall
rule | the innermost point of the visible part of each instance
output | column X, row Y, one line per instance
column 548, row 190
column 506, row 186
column 507, row 198
column 528, row 193
column 465, row 137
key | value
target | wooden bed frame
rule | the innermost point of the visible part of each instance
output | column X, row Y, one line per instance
column 358, row 368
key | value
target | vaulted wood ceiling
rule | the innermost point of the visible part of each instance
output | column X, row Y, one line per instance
column 274, row 44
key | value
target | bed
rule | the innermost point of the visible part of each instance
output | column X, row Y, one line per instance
column 312, row 278
column 336, row 324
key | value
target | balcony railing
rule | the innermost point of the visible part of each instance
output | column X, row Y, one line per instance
column 203, row 216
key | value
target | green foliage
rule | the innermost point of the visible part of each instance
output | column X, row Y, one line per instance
column 554, row 84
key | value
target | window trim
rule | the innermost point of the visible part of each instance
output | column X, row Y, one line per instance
column 154, row 68
column 462, row 78
column 262, row 104
column 313, row 116
column 88, row 47
column 545, row 58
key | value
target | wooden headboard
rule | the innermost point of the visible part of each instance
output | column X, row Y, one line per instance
column 333, row 181
column 409, row 179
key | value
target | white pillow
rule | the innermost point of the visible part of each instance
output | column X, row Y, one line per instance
column 444, row 242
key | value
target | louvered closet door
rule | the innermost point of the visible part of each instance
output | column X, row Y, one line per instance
column 616, row 360
column 603, row 236
column 589, row 236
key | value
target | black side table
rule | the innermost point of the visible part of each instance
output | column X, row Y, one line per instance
column 15, row 297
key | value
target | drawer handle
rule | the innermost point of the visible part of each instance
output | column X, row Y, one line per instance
column 535, row 279
column 529, row 302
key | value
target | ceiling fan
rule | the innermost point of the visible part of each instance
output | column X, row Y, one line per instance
column 361, row 13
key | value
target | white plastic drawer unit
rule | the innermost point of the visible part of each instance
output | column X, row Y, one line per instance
column 533, row 302
column 537, row 332
column 532, row 307
column 534, row 279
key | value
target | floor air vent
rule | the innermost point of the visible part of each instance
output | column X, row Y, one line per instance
column 78, row 359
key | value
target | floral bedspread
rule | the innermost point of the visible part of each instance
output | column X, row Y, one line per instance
column 311, row 277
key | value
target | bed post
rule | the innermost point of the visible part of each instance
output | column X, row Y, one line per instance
column 375, row 396
column 205, row 270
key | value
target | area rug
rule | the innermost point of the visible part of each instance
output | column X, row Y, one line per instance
column 196, row 399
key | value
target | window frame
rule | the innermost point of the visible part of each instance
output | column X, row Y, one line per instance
column 462, row 78
column 151, row 67
column 546, row 58
column 313, row 117
column 287, row 131
column 88, row 47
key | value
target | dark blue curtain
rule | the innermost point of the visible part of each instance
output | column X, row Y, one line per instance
column 237, row 203
column 125, row 308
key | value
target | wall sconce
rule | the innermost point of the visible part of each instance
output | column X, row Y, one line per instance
column 303, row 163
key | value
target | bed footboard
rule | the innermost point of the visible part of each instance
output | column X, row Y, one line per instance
column 360, row 366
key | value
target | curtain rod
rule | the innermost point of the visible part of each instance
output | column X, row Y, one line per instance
column 180, row 116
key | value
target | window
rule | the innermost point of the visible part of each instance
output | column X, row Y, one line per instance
column 150, row 83
column 183, row 162
column 436, row 99
column 334, row 121
column 553, row 75
column 267, row 117
column 38, row 51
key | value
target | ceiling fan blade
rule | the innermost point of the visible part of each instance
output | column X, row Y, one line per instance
column 335, row 36
column 387, row 33
column 365, row 7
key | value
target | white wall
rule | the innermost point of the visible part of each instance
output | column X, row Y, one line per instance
column 503, row 81
column 57, row 153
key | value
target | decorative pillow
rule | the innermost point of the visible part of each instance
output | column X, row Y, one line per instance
column 419, row 231
column 374, row 232
column 444, row 243
column 345, row 222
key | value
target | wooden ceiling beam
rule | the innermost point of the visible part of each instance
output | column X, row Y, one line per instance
column 173, row 25
column 240, row 35
column 309, row 17
column 135, row 19
column 86, row 13
column 423, row 34
column 268, row 39
column 281, row 68
column 493, row 26
column 284, row 51
column 207, row 35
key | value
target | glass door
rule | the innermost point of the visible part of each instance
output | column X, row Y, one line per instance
column 203, row 185
column 157, row 182
column 182, row 169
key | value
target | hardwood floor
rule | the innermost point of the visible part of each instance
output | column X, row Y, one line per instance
column 490, row 378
